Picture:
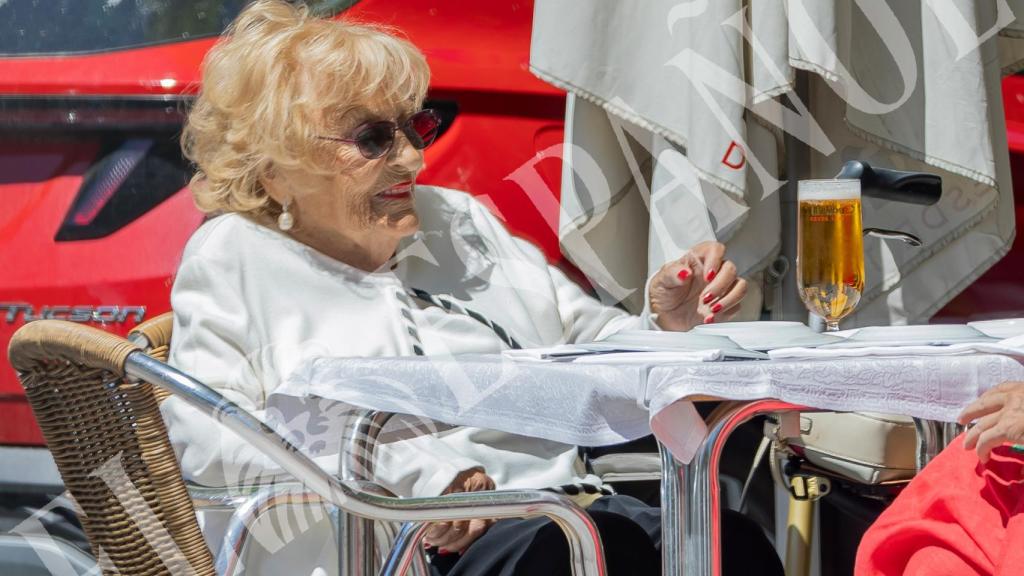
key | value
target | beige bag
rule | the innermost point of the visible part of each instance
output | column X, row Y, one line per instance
column 864, row 447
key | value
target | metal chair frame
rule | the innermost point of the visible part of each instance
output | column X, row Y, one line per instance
column 585, row 549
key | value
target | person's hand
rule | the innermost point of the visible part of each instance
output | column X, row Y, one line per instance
column 451, row 537
column 1000, row 419
column 701, row 287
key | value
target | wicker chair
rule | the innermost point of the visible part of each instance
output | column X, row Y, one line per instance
column 93, row 395
column 110, row 445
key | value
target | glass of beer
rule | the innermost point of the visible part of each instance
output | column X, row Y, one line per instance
column 830, row 253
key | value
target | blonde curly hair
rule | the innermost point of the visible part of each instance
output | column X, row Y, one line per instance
column 279, row 77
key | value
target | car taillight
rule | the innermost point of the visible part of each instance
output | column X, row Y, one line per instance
column 124, row 184
column 446, row 109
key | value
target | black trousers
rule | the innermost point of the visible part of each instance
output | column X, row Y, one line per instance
column 630, row 530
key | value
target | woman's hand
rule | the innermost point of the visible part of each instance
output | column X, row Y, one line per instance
column 699, row 288
column 451, row 537
column 1000, row 419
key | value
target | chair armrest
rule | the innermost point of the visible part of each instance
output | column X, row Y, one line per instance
column 227, row 497
column 585, row 547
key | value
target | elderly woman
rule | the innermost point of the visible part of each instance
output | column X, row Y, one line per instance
column 308, row 136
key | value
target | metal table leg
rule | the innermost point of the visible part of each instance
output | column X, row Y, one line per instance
column 672, row 502
column 950, row 430
column 356, row 540
column 692, row 535
column 691, row 503
column 930, row 441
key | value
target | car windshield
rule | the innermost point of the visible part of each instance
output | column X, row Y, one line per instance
column 41, row 27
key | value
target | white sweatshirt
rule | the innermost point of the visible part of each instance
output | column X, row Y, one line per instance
column 250, row 304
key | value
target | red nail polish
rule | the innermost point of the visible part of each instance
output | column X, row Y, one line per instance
column 708, row 298
column 444, row 551
column 683, row 275
column 711, row 275
column 710, row 319
column 716, row 308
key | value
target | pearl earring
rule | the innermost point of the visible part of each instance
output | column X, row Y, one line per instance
column 285, row 220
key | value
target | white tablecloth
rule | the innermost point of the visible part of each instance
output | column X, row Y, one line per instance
column 584, row 404
column 601, row 404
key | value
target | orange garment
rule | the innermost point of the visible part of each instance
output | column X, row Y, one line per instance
column 958, row 517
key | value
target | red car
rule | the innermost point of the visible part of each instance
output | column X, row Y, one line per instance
column 95, row 211
column 95, row 214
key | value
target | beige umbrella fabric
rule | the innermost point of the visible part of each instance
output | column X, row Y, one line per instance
column 678, row 112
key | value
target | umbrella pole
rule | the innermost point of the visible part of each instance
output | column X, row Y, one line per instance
column 798, row 163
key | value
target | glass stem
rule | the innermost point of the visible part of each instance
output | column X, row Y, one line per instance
column 831, row 325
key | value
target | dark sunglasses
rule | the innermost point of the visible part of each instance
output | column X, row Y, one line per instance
column 375, row 139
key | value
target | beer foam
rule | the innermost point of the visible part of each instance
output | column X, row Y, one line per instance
column 847, row 189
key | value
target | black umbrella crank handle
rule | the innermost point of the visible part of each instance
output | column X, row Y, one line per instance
column 920, row 188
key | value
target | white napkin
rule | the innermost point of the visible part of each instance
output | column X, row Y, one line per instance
column 1009, row 347
column 646, row 357
column 584, row 355
column 542, row 354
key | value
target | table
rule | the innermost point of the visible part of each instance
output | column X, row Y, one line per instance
column 600, row 404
